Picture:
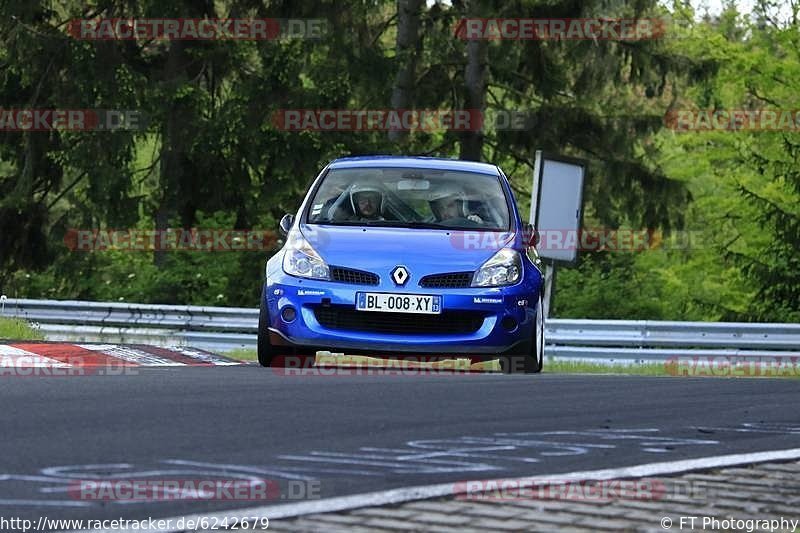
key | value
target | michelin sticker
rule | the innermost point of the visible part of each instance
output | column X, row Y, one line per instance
column 482, row 300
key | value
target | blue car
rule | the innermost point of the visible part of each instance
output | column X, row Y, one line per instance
column 398, row 256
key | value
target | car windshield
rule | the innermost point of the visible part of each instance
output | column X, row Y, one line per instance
column 411, row 198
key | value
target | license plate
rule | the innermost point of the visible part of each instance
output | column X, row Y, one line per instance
column 425, row 304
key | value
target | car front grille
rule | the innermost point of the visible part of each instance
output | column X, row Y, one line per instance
column 352, row 276
column 344, row 317
column 449, row 280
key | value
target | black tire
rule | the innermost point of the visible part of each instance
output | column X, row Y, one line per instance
column 528, row 358
column 538, row 336
column 266, row 351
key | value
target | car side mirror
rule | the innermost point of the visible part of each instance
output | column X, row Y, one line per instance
column 529, row 235
column 286, row 223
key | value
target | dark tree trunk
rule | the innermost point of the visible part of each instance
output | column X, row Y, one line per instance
column 170, row 166
column 407, row 49
column 475, row 85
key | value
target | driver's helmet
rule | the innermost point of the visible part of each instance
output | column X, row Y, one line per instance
column 445, row 194
column 358, row 189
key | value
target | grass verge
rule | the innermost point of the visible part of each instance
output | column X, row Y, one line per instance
column 17, row 329
column 582, row 367
column 242, row 354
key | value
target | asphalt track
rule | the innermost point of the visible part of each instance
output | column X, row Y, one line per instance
column 351, row 434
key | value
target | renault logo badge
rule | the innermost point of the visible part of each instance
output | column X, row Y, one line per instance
column 400, row 275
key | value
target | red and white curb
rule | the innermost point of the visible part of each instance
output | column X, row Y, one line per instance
column 68, row 355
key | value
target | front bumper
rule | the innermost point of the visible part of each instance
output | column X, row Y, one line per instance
column 507, row 317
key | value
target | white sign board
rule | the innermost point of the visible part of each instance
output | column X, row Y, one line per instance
column 557, row 205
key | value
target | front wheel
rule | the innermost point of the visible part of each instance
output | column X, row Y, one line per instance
column 266, row 351
column 529, row 357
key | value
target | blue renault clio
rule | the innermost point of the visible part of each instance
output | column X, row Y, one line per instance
column 398, row 256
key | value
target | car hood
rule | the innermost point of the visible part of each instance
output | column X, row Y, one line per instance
column 426, row 250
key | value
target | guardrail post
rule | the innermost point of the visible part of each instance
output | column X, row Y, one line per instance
column 549, row 279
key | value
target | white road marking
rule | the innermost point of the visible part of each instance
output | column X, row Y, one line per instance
column 753, row 428
column 245, row 469
column 42, row 479
column 440, row 455
column 46, row 503
column 424, row 492
column 425, row 467
column 455, row 453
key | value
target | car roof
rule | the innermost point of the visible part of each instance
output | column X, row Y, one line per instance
column 435, row 163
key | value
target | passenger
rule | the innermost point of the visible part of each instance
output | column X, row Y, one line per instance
column 449, row 203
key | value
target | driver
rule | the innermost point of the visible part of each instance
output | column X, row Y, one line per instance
column 449, row 202
column 366, row 201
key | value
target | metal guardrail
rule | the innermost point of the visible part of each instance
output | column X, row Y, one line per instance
column 227, row 328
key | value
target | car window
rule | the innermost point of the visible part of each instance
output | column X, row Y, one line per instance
column 410, row 198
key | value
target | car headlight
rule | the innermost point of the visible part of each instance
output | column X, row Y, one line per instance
column 302, row 260
column 503, row 268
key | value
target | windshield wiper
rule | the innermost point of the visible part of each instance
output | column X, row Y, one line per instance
column 439, row 225
column 428, row 225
